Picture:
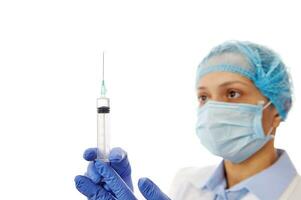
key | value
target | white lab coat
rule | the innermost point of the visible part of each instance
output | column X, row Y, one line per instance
column 187, row 186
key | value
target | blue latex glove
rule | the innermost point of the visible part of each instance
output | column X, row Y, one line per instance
column 120, row 190
column 118, row 161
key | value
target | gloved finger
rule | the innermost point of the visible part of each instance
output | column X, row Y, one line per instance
column 119, row 161
column 92, row 173
column 90, row 154
column 114, row 181
column 85, row 186
column 97, row 180
column 117, row 157
column 150, row 190
column 95, row 176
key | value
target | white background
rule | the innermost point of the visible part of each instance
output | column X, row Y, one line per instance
column 50, row 58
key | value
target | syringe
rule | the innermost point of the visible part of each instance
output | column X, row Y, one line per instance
column 103, row 111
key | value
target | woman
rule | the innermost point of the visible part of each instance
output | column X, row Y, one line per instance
column 244, row 93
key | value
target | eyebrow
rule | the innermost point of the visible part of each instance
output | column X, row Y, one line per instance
column 226, row 83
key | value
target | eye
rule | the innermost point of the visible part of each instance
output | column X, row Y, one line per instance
column 202, row 99
column 233, row 94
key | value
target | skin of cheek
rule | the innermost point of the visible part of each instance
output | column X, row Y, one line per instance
column 268, row 118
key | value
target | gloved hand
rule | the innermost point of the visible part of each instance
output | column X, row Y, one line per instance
column 118, row 161
column 119, row 189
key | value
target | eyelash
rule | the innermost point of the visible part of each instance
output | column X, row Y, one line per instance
column 232, row 90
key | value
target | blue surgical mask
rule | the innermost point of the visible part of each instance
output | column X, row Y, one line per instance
column 232, row 131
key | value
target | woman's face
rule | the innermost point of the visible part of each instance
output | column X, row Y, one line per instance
column 234, row 88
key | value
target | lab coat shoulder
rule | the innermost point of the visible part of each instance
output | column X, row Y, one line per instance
column 188, row 181
column 293, row 191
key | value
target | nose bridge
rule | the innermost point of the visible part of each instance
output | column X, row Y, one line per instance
column 217, row 97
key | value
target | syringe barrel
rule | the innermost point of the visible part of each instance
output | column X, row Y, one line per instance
column 103, row 126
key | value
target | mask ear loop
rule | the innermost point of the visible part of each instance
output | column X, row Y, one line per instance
column 269, row 133
column 267, row 105
column 271, row 129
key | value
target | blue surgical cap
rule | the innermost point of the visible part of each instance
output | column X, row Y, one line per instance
column 256, row 62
